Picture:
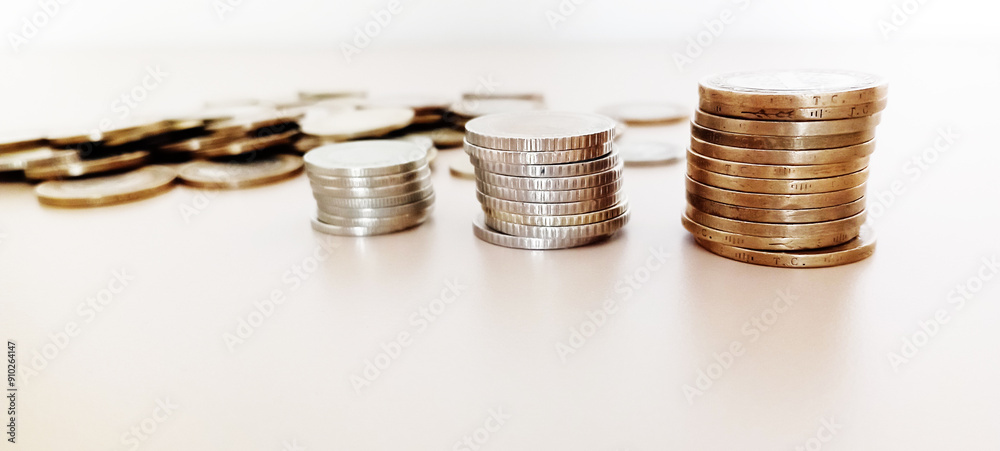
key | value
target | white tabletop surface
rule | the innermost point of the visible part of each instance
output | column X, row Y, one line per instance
column 820, row 374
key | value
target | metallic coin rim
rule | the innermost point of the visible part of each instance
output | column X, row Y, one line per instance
column 764, row 229
column 85, row 167
column 408, row 163
column 538, row 157
column 870, row 87
column 778, row 186
column 852, row 251
column 782, row 157
column 559, row 221
column 161, row 181
column 330, row 229
column 794, row 114
column 599, row 164
column 372, row 202
column 479, row 133
column 291, row 165
column 673, row 153
column 484, row 233
column 773, row 171
column 775, row 201
column 786, row 128
column 777, row 216
column 559, row 197
column 603, row 228
column 380, row 212
column 382, row 129
column 371, row 192
column 549, row 209
column 551, row 183
column 370, row 182
column 814, row 142
column 43, row 156
column 703, row 232
column 371, row 223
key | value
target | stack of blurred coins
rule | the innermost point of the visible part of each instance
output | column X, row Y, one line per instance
column 373, row 187
column 546, row 180
column 778, row 165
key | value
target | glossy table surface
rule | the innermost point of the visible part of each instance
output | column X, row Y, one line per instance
column 432, row 339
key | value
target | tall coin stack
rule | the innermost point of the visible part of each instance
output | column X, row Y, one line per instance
column 778, row 165
column 546, row 180
column 365, row 188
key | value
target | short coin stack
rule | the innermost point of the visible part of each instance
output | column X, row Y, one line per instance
column 365, row 188
column 546, row 180
column 778, row 165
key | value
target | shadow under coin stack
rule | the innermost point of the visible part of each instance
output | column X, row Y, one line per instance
column 546, row 180
column 365, row 188
column 778, row 165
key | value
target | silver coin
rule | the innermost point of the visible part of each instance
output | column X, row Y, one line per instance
column 538, row 157
column 560, row 221
column 646, row 113
column 107, row 190
column 471, row 108
column 540, row 131
column 378, row 191
column 349, row 124
column 388, row 221
column 382, row 212
column 483, row 232
column 549, row 209
column 369, row 182
column 463, row 169
column 596, row 229
column 550, row 170
column 322, row 227
column 365, row 158
column 551, row 183
column 240, row 174
column 371, row 202
column 546, row 196
column 645, row 153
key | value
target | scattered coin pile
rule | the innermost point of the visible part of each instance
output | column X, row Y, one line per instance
column 778, row 165
column 374, row 187
column 546, row 180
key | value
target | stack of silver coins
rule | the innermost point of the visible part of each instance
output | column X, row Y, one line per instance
column 778, row 165
column 545, row 179
column 365, row 188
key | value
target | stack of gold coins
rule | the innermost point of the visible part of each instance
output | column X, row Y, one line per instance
column 373, row 187
column 546, row 180
column 778, row 165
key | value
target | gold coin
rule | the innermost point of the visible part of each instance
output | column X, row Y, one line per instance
column 783, row 157
column 794, row 114
column 852, row 251
column 776, row 201
column 778, row 186
column 702, row 232
column 237, row 174
column 848, row 226
column 112, row 189
column 793, row 89
column 765, row 171
column 788, row 128
column 776, row 216
column 781, row 142
column 47, row 170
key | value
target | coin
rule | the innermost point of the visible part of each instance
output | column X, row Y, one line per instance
column 606, row 227
column 442, row 137
column 317, row 95
column 793, row 89
column 783, row 157
column 240, row 174
column 778, row 186
column 649, row 153
column 371, row 202
column 549, row 209
column 17, row 160
column 462, row 169
column 852, row 251
column 13, row 142
column 49, row 170
column 420, row 104
column 107, row 190
column 548, row 196
column 372, row 223
column 538, row 157
column 73, row 136
column 776, row 216
column 559, row 221
column 480, row 107
column 551, row 183
column 535, row 96
column 776, row 201
column 134, row 130
column 322, row 227
column 780, row 142
column 540, row 131
column 762, row 171
column 271, row 122
column 550, row 170
column 794, row 114
column 380, row 212
column 786, row 128
column 488, row 235
column 353, row 124
column 646, row 113
column 704, row 233
column 365, row 158
column 379, row 191
column 847, row 226
column 370, row 182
